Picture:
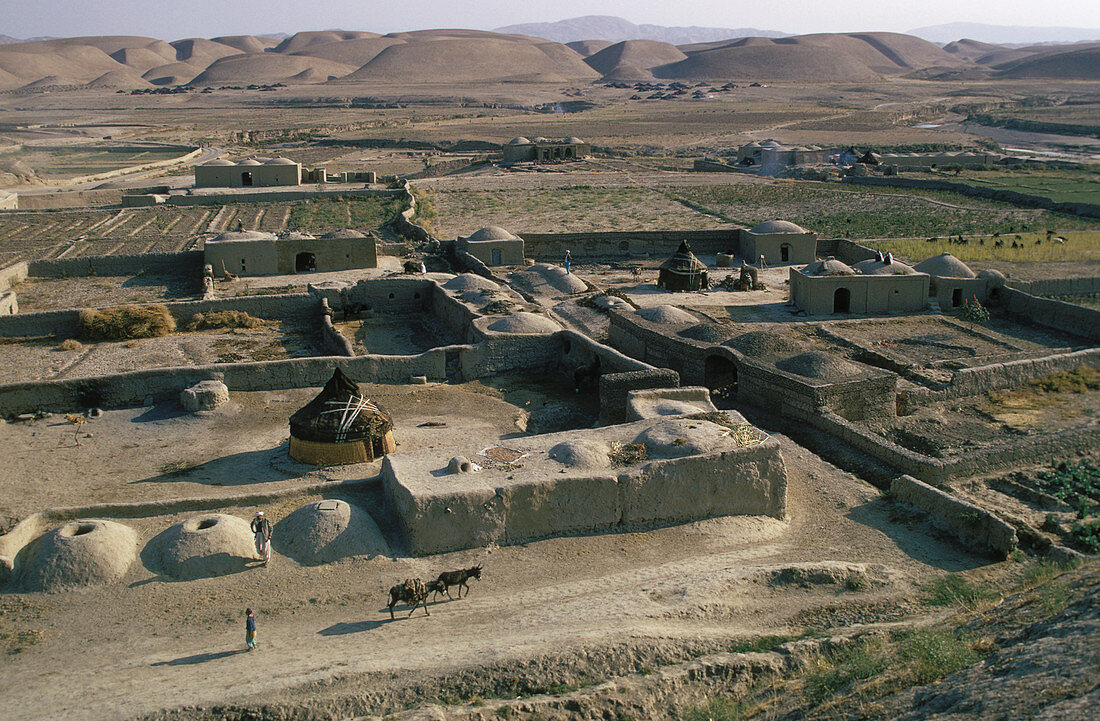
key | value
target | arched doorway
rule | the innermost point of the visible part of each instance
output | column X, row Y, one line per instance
column 842, row 300
column 720, row 376
column 246, row 179
column 785, row 253
column 305, row 262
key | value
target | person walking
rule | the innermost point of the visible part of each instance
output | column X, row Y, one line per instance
column 249, row 629
column 568, row 262
column 261, row 527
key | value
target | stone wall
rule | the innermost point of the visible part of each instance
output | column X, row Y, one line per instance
column 615, row 389
column 1068, row 317
column 846, row 251
column 971, row 524
column 333, row 340
column 267, row 196
column 13, row 275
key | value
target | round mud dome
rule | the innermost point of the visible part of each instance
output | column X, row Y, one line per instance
column 326, row 531
column 78, row 554
column 215, row 544
column 679, row 437
column 584, row 455
column 459, row 464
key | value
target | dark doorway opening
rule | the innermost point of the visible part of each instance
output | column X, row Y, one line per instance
column 246, row 179
column 720, row 376
column 496, row 256
column 842, row 300
column 956, row 297
column 785, row 253
column 305, row 262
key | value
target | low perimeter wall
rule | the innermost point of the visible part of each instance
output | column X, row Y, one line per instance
column 971, row 524
column 1068, row 317
column 188, row 262
column 551, row 247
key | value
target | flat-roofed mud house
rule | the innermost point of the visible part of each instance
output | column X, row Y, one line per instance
column 253, row 252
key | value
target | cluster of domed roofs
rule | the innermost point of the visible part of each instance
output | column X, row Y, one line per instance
column 943, row 265
column 520, row 140
column 251, row 162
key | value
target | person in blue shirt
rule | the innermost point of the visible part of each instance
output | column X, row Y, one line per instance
column 249, row 629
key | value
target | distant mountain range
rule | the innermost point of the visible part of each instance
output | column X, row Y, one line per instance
column 1005, row 34
column 5, row 39
column 609, row 27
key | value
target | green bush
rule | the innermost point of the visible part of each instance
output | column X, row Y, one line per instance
column 1086, row 536
column 937, row 653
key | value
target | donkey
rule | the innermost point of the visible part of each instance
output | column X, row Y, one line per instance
column 459, row 578
column 411, row 591
column 435, row 589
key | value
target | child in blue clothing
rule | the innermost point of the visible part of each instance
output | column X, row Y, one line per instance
column 249, row 629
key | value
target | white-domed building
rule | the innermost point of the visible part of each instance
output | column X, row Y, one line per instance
column 493, row 246
column 780, row 242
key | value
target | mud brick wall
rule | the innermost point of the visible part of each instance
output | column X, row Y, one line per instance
column 13, row 275
column 188, row 262
column 1057, row 286
column 969, row 523
column 551, row 247
column 615, row 387
column 846, row 251
column 653, row 344
column 334, row 341
column 1075, row 319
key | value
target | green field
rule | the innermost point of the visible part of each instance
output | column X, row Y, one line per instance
column 865, row 213
column 325, row 214
column 1082, row 246
column 1064, row 186
column 66, row 161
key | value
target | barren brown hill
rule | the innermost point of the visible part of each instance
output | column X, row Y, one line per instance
column 1083, row 64
column 463, row 33
column 356, row 53
column 300, row 41
column 106, row 43
column 202, row 52
column 247, row 43
column 473, row 59
column 766, row 59
column 71, row 64
column 142, row 59
column 269, row 68
column 884, row 53
column 643, row 54
column 172, row 74
column 9, row 81
column 120, row 79
column 971, row 50
column 589, row 47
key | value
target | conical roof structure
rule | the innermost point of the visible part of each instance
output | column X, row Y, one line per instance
column 340, row 426
column 683, row 271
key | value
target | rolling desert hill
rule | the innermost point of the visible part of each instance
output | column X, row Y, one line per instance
column 269, row 68
column 451, row 59
column 637, row 54
column 609, row 27
column 1005, row 34
column 356, row 52
column 589, row 47
column 445, row 56
column 1077, row 64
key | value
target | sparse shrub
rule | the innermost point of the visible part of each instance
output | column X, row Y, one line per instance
column 177, row 468
column 955, row 590
column 125, row 322
column 974, row 312
column 1050, row 524
column 856, row 583
column 626, row 454
column 222, row 319
column 70, row 344
column 719, row 708
column 1083, row 379
column 936, row 653
column 1086, row 536
column 853, row 664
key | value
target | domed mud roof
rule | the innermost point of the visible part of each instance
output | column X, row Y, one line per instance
column 523, row 322
column 519, row 141
column 343, row 233
column 280, row 161
column 492, row 232
column 944, row 265
column 666, row 314
column 874, row 266
column 219, row 162
column 816, row 364
column 770, row 227
column 242, row 235
column 829, row 266
column 250, row 161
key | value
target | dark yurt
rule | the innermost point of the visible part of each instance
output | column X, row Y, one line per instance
column 683, row 271
column 340, row 426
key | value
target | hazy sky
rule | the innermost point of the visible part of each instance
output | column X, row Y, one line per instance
column 207, row 18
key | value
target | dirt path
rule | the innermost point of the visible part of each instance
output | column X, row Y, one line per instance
column 326, row 638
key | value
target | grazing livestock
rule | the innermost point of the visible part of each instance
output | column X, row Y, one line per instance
column 411, row 591
column 435, row 587
column 459, row 578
